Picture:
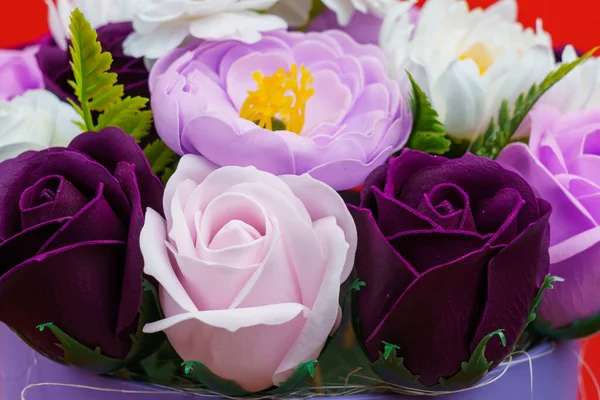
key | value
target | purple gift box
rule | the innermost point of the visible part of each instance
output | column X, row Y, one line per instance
column 548, row 372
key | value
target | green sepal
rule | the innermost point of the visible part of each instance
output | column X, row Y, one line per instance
column 476, row 368
column 499, row 135
column 303, row 375
column 577, row 330
column 428, row 133
column 548, row 281
column 391, row 368
column 80, row 356
column 201, row 374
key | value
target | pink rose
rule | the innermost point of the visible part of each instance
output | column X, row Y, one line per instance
column 250, row 267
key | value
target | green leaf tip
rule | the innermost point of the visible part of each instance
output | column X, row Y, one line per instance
column 96, row 88
column 428, row 133
column 477, row 366
column 188, row 366
column 78, row 355
column 357, row 284
column 497, row 136
column 42, row 327
column 310, row 366
column 389, row 349
column 548, row 284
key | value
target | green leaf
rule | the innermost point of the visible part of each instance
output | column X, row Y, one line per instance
column 159, row 156
column 203, row 375
column 499, row 135
column 428, row 133
column 391, row 368
column 577, row 330
column 476, row 368
column 80, row 356
column 548, row 281
column 301, row 377
column 95, row 87
column 128, row 115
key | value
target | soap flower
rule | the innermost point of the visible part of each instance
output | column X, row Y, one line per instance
column 466, row 61
column 19, row 72
column 292, row 103
column 163, row 25
column 562, row 162
column 35, row 120
column 451, row 250
column 70, row 221
column 97, row 12
column 249, row 266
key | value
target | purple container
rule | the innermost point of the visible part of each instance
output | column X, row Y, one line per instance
column 28, row 376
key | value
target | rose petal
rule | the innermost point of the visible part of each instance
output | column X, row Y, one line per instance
column 88, row 285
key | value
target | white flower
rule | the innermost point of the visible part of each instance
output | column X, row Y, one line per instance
column 35, row 121
column 467, row 61
column 580, row 89
column 346, row 8
column 97, row 12
column 165, row 24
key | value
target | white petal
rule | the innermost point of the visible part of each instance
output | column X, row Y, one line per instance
column 156, row 43
column 459, row 97
column 244, row 26
column 343, row 9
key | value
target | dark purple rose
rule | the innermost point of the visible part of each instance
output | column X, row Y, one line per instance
column 451, row 251
column 132, row 72
column 70, row 220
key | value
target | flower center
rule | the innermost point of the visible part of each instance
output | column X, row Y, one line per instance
column 482, row 56
column 279, row 103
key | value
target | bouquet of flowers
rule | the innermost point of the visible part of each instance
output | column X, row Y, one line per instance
column 297, row 197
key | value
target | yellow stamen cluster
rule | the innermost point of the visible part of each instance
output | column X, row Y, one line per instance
column 281, row 96
column 482, row 56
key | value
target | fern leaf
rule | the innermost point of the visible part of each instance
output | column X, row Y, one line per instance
column 428, row 133
column 159, row 156
column 94, row 86
column 127, row 114
column 499, row 134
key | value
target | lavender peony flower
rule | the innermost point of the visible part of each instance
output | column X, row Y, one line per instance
column 562, row 162
column 293, row 103
column 19, row 72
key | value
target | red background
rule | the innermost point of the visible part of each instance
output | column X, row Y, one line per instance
column 576, row 22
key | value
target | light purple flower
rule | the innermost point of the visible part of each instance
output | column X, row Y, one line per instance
column 212, row 98
column 19, row 72
column 563, row 163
